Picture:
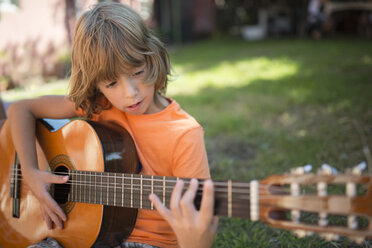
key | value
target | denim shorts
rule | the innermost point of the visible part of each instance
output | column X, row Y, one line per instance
column 52, row 243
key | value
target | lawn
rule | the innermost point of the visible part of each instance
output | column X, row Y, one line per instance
column 269, row 106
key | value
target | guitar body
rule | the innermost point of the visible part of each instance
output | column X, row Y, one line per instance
column 78, row 145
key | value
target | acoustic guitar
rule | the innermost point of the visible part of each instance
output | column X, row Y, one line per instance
column 105, row 190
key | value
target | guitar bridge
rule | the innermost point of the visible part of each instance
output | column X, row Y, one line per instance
column 15, row 187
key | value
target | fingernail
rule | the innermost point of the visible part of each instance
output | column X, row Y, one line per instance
column 151, row 197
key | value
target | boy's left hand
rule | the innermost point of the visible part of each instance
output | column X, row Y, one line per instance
column 193, row 228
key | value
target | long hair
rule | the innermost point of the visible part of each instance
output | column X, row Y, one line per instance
column 109, row 40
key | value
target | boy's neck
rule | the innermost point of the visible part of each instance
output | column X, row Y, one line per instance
column 160, row 101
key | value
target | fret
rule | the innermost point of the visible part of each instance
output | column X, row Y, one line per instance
column 119, row 194
column 78, row 185
column 131, row 190
column 89, row 186
column 229, row 199
column 83, row 185
column 136, row 189
column 122, row 191
column 70, row 193
column 141, row 192
column 126, row 191
column 101, row 189
column 164, row 190
column 73, row 186
column 78, row 179
column 88, row 183
column 95, row 187
column 152, row 191
column 146, row 190
column 92, row 187
column 114, row 189
column 107, row 188
column 157, row 185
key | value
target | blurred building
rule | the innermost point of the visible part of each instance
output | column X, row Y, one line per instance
column 273, row 18
column 35, row 36
column 184, row 20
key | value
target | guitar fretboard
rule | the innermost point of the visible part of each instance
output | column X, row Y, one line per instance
column 132, row 190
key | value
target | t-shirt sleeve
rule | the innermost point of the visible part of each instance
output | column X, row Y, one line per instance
column 190, row 156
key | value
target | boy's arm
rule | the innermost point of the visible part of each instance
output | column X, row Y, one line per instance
column 22, row 116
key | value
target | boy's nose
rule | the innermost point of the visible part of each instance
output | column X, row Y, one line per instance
column 129, row 88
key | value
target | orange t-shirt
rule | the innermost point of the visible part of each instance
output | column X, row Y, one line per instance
column 169, row 143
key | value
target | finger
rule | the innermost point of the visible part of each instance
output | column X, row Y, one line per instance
column 54, row 218
column 51, row 178
column 46, row 218
column 207, row 203
column 187, row 201
column 175, row 199
column 53, row 206
column 164, row 212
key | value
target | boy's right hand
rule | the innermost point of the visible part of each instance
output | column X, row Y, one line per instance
column 39, row 182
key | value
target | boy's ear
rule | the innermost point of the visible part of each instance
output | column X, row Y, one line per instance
column 97, row 90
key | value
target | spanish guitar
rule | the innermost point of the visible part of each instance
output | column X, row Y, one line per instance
column 105, row 190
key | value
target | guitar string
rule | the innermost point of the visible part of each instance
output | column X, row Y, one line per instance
column 238, row 209
column 186, row 180
column 156, row 189
column 106, row 196
column 160, row 192
column 144, row 178
column 169, row 188
column 62, row 196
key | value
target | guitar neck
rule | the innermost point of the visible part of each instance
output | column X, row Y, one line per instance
column 232, row 199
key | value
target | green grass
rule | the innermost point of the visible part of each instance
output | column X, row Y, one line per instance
column 269, row 106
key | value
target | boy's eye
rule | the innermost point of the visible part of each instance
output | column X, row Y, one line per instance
column 109, row 85
column 137, row 73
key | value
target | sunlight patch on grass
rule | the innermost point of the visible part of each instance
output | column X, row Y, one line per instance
column 56, row 88
column 227, row 74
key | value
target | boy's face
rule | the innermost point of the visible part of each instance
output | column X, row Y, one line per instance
column 130, row 93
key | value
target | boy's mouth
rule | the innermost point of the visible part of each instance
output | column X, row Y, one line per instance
column 134, row 106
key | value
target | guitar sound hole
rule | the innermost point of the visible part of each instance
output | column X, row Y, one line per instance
column 61, row 191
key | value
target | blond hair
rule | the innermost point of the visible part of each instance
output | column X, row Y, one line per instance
column 109, row 40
